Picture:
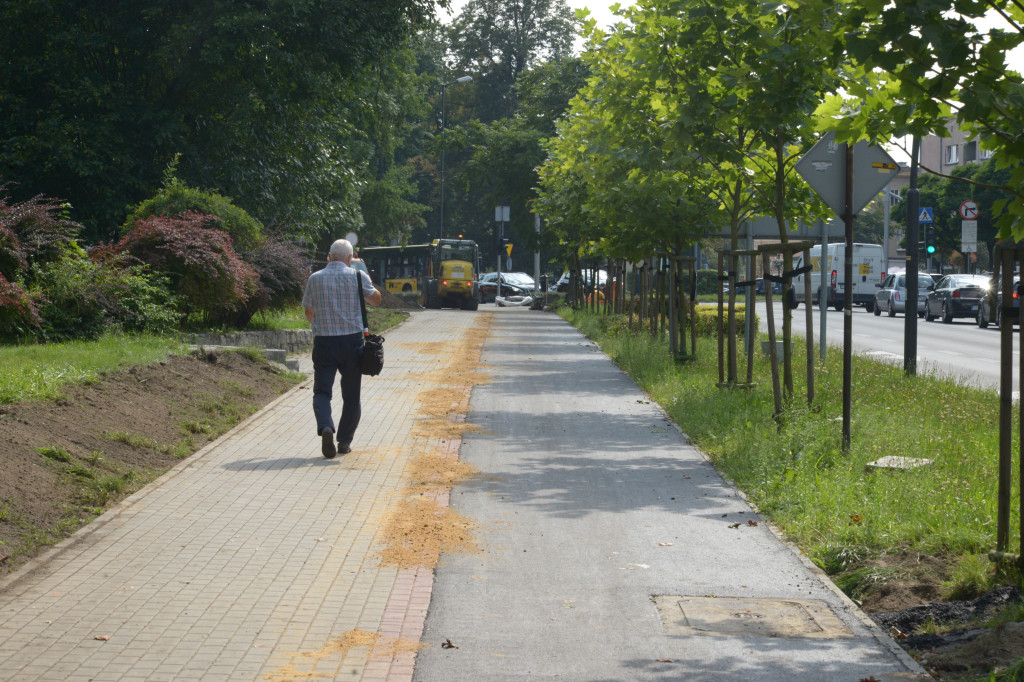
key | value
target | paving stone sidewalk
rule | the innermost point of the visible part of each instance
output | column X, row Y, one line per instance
column 247, row 561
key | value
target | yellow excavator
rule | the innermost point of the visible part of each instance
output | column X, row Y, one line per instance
column 450, row 275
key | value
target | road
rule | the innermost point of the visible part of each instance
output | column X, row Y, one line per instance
column 959, row 349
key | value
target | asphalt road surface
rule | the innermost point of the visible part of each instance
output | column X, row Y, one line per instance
column 959, row 349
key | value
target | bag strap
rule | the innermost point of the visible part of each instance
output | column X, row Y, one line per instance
column 362, row 302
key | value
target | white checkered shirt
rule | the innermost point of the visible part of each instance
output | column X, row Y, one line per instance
column 333, row 294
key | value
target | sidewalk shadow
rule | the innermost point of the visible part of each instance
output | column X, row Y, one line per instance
column 257, row 464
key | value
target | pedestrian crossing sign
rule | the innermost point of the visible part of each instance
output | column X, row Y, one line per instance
column 925, row 216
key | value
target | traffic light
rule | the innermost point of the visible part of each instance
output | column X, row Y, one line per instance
column 929, row 240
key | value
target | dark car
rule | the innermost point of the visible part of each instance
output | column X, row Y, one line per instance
column 956, row 296
column 563, row 282
column 892, row 294
column 983, row 311
column 759, row 287
column 512, row 284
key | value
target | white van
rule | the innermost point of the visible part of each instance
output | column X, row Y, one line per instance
column 867, row 275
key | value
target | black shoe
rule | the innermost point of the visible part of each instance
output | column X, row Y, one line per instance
column 327, row 446
column 344, row 448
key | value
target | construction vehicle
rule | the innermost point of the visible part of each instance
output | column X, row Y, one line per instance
column 449, row 275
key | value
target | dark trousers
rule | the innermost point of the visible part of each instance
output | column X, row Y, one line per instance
column 331, row 355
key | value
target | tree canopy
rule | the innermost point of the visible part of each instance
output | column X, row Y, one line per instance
column 98, row 97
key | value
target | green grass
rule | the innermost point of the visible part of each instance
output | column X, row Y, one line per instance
column 294, row 317
column 39, row 372
column 798, row 475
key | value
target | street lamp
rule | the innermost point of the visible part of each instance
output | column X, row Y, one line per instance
column 464, row 79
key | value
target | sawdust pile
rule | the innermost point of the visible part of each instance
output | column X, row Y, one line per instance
column 420, row 529
column 421, row 526
column 376, row 645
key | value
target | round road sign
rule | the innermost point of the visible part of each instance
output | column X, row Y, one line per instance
column 969, row 210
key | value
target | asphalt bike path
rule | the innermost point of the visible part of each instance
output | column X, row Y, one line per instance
column 612, row 549
column 605, row 547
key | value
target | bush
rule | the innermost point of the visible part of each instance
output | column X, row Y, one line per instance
column 84, row 298
column 18, row 313
column 201, row 266
column 707, row 282
column 32, row 232
column 174, row 200
column 283, row 269
column 707, row 320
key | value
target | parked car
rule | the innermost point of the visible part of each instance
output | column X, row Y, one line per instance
column 983, row 311
column 759, row 287
column 512, row 284
column 563, row 282
column 956, row 296
column 892, row 294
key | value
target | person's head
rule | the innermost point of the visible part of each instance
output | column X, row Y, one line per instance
column 341, row 250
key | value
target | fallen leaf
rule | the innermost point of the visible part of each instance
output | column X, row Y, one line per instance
column 102, row 638
column 751, row 523
column 734, row 525
column 855, row 519
column 665, row 660
column 868, row 679
column 447, row 644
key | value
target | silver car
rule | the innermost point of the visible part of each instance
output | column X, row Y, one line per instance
column 892, row 294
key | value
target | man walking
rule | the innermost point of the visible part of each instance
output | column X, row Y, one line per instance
column 332, row 307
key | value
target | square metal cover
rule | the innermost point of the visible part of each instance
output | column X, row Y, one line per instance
column 749, row 617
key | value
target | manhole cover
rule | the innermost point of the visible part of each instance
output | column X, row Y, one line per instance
column 746, row 617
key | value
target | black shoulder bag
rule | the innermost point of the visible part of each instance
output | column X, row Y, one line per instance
column 372, row 361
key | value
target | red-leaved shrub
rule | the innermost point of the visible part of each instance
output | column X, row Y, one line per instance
column 18, row 312
column 283, row 269
column 202, row 267
column 32, row 232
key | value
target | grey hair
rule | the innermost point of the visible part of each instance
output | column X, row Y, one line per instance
column 340, row 250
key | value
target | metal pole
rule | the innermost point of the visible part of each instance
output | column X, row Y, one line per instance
column 848, row 301
column 885, row 231
column 822, row 290
column 536, row 254
column 913, row 265
column 444, row 86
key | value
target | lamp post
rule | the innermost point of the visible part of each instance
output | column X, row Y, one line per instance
column 444, row 86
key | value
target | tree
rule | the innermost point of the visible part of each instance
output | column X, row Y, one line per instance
column 916, row 65
column 99, row 96
column 499, row 40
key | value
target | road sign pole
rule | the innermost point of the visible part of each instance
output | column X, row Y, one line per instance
column 913, row 265
column 848, row 301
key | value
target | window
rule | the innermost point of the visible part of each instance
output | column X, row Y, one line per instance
column 971, row 151
column 952, row 157
column 986, row 154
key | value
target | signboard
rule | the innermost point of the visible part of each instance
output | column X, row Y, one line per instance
column 969, row 210
column 969, row 236
column 824, row 169
column 508, row 250
column 925, row 215
column 501, row 214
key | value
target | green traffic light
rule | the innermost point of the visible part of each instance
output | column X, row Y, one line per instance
column 930, row 249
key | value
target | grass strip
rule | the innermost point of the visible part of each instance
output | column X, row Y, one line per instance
column 797, row 475
column 40, row 371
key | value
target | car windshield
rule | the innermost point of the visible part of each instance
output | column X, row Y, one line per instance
column 519, row 278
column 969, row 281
